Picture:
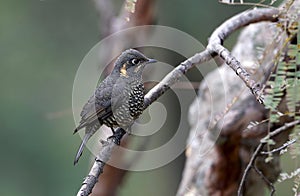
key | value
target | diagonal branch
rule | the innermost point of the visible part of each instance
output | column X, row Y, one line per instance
column 284, row 146
column 100, row 161
column 172, row 77
column 267, row 181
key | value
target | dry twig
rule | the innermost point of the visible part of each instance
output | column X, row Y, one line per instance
column 259, row 148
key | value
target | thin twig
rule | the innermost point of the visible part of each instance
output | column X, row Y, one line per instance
column 282, row 128
column 258, row 4
column 249, row 166
column 280, row 148
column 260, row 146
column 267, row 181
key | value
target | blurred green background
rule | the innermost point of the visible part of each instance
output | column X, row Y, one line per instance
column 42, row 45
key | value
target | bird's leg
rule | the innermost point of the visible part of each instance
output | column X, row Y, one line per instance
column 117, row 136
column 112, row 130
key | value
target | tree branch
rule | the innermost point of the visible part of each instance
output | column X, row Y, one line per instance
column 100, row 161
column 214, row 47
column 172, row 77
column 231, row 25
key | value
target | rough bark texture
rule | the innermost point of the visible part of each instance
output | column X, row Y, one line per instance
column 225, row 97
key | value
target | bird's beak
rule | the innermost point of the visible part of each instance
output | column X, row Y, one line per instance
column 152, row 61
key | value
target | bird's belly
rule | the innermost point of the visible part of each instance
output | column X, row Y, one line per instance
column 130, row 110
column 123, row 117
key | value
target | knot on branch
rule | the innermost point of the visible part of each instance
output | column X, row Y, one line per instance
column 256, row 91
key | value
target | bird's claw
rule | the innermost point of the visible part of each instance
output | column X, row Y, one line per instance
column 114, row 139
column 117, row 136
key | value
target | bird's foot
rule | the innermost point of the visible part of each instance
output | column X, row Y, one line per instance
column 117, row 136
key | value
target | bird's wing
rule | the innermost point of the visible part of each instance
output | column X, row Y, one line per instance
column 98, row 106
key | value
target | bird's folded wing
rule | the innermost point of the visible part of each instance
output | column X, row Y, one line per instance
column 93, row 111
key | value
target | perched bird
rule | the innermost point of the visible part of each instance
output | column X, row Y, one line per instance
column 119, row 98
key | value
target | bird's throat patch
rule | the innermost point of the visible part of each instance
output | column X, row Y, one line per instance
column 123, row 70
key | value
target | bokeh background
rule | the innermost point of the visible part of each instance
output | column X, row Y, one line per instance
column 42, row 45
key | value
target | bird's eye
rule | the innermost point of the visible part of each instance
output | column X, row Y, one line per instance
column 135, row 61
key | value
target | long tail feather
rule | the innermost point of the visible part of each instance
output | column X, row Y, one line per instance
column 75, row 130
column 81, row 147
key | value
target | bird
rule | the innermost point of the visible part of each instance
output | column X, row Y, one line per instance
column 118, row 100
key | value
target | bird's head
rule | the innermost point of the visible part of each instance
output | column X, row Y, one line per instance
column 131, row 63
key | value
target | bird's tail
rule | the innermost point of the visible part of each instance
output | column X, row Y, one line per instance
column 80, row 126
column 81, row 147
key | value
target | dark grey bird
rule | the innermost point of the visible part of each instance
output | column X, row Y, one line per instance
column 119, row 98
